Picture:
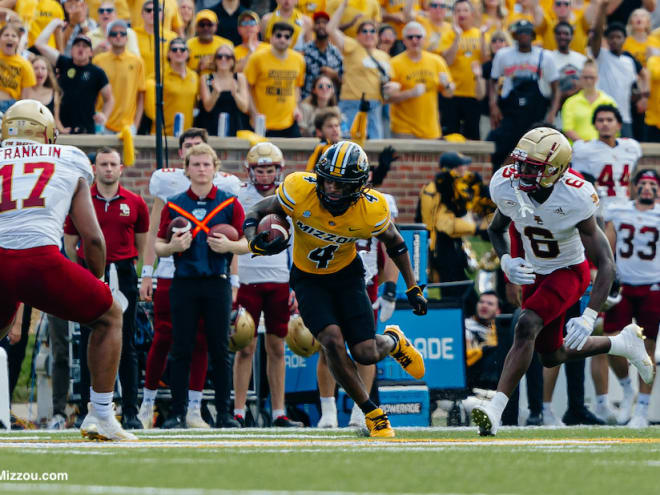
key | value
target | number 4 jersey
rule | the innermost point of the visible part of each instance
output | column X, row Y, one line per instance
column 637, row 236
column 549, row 233
column 37, row 184
column 323, row 243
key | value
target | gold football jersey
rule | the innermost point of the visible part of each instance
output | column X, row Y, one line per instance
column 323, row 243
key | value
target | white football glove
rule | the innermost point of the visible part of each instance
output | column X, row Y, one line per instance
column 578, row 329
column 386, row 308
column 517, row 270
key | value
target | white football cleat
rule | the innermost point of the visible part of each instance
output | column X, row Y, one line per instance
column 635, row 352
column 549, row 419
column 607, row 414
column 357, row 418
column 328, row 421
column 109, row 429
column 638, row 421
column 485, row 419
column 625, row 409
column 146, row 414
column 57, row 422
column 194, row 418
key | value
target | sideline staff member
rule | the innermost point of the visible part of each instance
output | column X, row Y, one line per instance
column 201, row 287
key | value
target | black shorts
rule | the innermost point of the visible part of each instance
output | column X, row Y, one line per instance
column 339, row 298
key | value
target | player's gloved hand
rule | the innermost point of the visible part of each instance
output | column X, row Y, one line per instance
column 614, row 297
column 387, row 302
column 578, row 329
column 260, row 246
column 517, row 270
column 417, row 300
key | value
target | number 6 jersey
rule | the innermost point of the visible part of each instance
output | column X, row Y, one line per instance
column 323, row 243
column 549, row 232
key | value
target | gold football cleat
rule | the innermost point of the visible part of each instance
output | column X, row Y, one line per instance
column 405, row 353
column 378, row 424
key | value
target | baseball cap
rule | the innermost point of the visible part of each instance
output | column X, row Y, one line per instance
column 522, row 26
column 206, row 15
column 83, row 38
column 321, row 15
column 248, row 13
column 452, row 159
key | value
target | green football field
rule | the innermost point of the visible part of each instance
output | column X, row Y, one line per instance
column 563, row 461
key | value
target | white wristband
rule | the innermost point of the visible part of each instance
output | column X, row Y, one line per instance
column 234, row 280
column 147, row 271
column 590, row 315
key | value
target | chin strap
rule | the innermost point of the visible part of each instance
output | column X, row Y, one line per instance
column 523, row 205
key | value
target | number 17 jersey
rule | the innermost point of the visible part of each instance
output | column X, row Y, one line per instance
column 323, row 243
column 549, row 233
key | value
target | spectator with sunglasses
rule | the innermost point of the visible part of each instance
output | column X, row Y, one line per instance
column 107, row 13
column 223, row 91
column 145, row 36
column 125, row 71
column 322, row 98
column 118, row 6
column 180, row 89
column 203, row 47
column 248, row 29
column 275, row 77
column 432, row 19
column 287, row 13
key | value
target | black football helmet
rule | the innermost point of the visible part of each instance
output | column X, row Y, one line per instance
column 346, row 164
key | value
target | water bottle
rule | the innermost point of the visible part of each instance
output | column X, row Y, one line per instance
column 223, row 124
column 98, row 128
column 178, row 124
column 260, row 124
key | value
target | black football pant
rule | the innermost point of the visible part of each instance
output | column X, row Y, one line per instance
column 190, row 300
column 16, row 352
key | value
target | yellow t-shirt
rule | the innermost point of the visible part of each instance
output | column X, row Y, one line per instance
column 241, row 51
column 37, row 15
column 197, row 50
column 296, row 20
column 418, row 116
column 309, row 7
column 394, row 7
column 653, row 110
column 126, row 75
column 370, row 10
column 322, row 243
column 121, row 7
column 580, row 32
column 436, row 36
column 637, row 49
column 577, row 113
column 179, row 96
column 146, row 46
column 361, row 75
column 469, row 50
column 171, row 18
column 16, row 73
column 273, row 83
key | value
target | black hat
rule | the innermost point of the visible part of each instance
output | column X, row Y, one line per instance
column 522, row 26
column 83, row 38
column 452, row 159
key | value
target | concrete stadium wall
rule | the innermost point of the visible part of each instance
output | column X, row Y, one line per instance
column 416, row 166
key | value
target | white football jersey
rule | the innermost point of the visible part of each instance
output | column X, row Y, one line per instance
column 37, row 184
column 259, row 269
column 368, row 248
column 637, row 243
column 168, row 182
column 611, row 167
column 549, row 234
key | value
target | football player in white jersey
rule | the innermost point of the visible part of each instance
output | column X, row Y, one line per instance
column 633, row 229
column 264, row 286
column 554, row 211
column 607, row 161
column 42, row 183
column 165, row 183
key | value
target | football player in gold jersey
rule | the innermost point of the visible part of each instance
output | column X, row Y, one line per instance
column 330, row 211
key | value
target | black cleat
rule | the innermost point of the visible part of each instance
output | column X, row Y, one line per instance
column 174, row 421
column 284, row 422
column 534, row 419
column 226, row 420
column 130, row 422
column 582, row 416
column 240, row 419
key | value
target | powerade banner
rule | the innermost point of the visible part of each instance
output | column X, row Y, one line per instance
column 440, row 338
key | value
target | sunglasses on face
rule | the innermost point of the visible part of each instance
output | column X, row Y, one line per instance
column 437, row 6
column 205, row 24
column 178, row 49
column 562, row 4
column 116, row 34
column 368, row 31
column 224, row 56
column 148, row 10
column 414, row 37
column 249, row 22
column 286, row 36
column 108, row 10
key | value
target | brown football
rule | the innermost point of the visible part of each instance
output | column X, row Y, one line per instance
column 178, row 224
column 224, row 228
column 275, row 225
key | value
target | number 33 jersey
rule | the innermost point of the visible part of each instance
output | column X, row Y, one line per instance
column 549, row 234
column 323, row 243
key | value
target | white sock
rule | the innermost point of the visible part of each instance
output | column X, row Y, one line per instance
column 328, row 406
column 278, row 412
column 239, row 412
column 626, row 384
column 617, row 345
column 194, row 399
column 547, row 408
column 498, row 403
column 601, row 401
column 643, row 400
column 149, row 395
column 102, row 402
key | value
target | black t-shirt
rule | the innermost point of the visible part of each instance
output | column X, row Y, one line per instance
column 228, row 24
column 623, row 11
column 80, row 89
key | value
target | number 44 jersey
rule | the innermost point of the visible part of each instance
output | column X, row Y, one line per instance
column 323, row 243
column 37, row 184
column 549, row 232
